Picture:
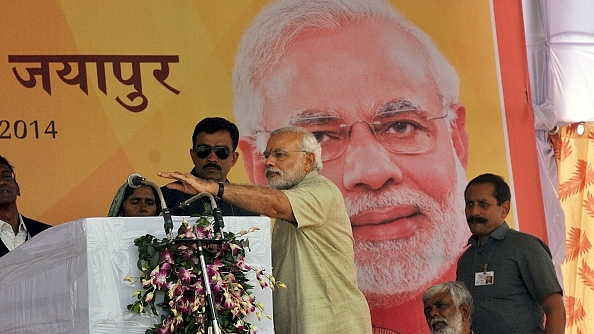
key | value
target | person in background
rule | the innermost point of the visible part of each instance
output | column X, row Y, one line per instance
column 448, row 308
column 509, row 274
column 135, row 202
column 312, row 242
column 214, row 144
column 15, row 228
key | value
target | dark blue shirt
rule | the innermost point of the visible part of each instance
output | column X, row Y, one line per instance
column 174, row 198
column 523, row 276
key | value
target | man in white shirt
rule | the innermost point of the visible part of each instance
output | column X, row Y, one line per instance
column 15, row 229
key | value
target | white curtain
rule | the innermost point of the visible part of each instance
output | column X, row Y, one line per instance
column 536, row 22
column 560, row 50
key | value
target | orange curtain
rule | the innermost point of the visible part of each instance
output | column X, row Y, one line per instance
column 575, row 154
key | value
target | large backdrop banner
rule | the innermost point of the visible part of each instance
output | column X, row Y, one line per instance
column 93, row 91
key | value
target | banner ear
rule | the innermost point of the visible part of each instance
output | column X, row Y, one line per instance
column 459, row 134
column 252, row 161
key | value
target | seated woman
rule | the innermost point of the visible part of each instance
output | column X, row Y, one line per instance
column 135, row 202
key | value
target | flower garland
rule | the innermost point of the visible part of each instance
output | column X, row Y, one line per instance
column 174, row 270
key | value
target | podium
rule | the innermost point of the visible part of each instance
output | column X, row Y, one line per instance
column 70, row 278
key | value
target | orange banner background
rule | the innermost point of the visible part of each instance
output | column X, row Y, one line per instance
column 98, row 143
column 93, row 142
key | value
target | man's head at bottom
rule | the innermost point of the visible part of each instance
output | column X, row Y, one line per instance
column 448, row 308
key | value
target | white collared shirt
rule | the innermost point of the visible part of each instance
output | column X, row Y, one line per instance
column 10, row 240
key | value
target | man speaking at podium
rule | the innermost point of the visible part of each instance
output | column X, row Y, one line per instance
column 15, row 229
column 312, row 242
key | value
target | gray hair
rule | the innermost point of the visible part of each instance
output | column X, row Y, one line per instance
column 278, row 24
column 457, row 290
column 308, row 143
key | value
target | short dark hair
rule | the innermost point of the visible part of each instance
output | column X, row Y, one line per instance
column 501, row 190
column 216, row 124
column 4, row 161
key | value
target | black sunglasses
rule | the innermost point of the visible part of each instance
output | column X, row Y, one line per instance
column 203, row 151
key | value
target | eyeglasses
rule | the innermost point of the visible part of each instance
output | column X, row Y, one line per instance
column 203, row 151
column 278, row 154
column 401, row 132
column 7, row 176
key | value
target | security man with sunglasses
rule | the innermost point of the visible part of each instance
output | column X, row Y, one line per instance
column 213, row 152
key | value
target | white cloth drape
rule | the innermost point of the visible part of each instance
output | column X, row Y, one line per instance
column 536, row 24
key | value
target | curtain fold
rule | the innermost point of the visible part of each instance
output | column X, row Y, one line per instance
column 574, row 155
column 536, row 27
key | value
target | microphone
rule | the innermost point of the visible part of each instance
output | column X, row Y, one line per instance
column 183, row 204
column 135, row 181
column 219, row 224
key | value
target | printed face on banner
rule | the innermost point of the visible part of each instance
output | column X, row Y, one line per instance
column 394, row 139
column 397, row 154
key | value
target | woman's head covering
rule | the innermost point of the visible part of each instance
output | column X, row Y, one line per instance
column 123, row 193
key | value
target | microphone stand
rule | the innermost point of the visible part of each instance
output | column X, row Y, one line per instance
column 168, row 221
column 135, row 181
column 219, row 224
column 212, row 320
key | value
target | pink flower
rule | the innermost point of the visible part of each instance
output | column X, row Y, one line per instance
column 235, row 248
column 185, row 275
column 189, row 233
column 147, row 283
column 149, row 297
column 203, row 232
column 183, row 305
column 218, row 285
column 262, row 282
column 241, row 265
column 231, row 278
column 160, row 278
column 215, row 267
column 166, row 256
column 162, row 330
column 198, row 288
column 227, row 300
column 177, row 290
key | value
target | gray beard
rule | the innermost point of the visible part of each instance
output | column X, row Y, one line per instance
column 285, row 180
column 454, row 326
column 393, row 272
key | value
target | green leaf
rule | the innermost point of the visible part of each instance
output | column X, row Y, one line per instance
column 154, row 260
